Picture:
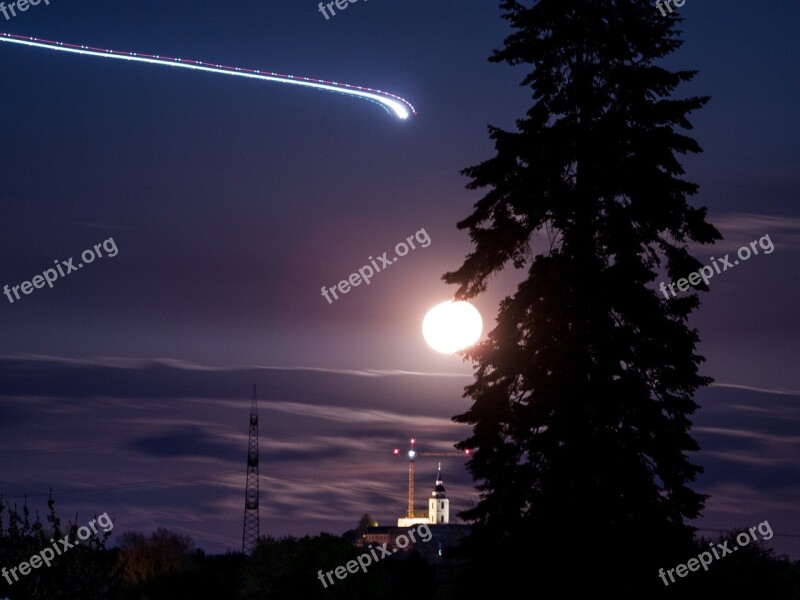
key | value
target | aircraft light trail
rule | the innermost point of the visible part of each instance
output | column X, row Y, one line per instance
column 395, row 105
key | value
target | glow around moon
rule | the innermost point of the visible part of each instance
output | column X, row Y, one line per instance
column 452, row 326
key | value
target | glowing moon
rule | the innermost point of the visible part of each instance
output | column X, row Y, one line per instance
column 452, row 326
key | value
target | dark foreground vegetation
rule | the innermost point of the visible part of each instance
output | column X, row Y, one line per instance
column 165, row 565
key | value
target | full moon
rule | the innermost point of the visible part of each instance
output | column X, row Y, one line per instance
column 452, row 326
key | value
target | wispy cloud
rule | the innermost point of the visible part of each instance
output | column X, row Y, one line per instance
column 739, row 229
column 121, row 362
column 750, row 434
column 763, row 390
column 345, row 414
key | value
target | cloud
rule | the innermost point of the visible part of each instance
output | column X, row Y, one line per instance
column 747, row 459
column 351, row 415
column 120, row 362
column 778, row 391
column 750, row 434
column 739, row 229
column 161, row 443
column 742, row 499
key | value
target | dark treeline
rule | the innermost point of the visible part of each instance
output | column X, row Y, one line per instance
column 166, row 565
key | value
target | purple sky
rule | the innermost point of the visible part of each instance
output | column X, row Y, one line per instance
column 231, row 202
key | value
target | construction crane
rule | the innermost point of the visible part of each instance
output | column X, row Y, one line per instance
column 412, row 455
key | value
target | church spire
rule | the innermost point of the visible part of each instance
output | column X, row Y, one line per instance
column 438, row 488
column 438, row 503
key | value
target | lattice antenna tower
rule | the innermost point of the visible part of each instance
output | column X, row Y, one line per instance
column 250, row 531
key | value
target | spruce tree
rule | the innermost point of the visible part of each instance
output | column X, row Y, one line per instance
column 583, row 391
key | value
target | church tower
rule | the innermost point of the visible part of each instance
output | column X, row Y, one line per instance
column 439, row 504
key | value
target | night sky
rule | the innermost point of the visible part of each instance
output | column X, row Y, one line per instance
column 126, row 387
